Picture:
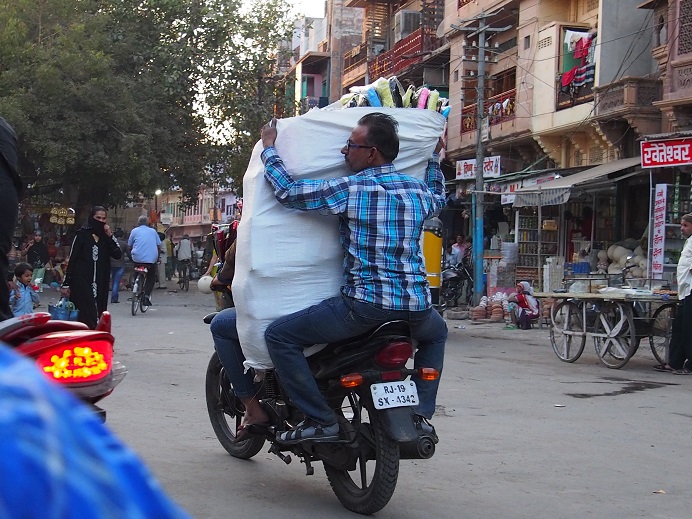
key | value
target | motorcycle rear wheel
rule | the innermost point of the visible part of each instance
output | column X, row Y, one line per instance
column 369, row 487
column 226, row 412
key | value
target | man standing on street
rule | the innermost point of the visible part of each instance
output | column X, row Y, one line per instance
column 10, row 187
column 144, row 245
column 680, row 351
column 184, row 251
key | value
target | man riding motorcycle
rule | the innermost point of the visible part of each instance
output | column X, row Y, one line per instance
column 381, row 214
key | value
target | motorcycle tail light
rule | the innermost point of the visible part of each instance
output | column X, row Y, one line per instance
column 394, row 355
column 428, row 373
column 351, row 380
column 141, row 269
column 77, row 362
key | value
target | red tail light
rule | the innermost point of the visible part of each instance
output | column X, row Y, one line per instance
column 394, row 355
column 77, row 362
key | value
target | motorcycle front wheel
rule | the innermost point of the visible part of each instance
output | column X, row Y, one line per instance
column 370, row 485
column 226, row 412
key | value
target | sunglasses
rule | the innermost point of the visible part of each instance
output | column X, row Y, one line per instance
column 350, row 145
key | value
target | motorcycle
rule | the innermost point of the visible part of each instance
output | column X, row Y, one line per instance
column 457, row 282
column 366, row 382
column 69, row 353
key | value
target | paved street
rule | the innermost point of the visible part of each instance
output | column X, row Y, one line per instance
column 522, row 434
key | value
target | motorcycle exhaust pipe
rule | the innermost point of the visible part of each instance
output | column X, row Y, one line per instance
column 421, row 449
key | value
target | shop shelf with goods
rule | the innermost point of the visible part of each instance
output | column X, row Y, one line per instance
column 604, row 222
column 536, row 234
column 669, row 202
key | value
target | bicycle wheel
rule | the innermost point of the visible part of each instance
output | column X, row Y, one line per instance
column 660, row 331
column 136, row 287
column 567, row 335
column 616, row 339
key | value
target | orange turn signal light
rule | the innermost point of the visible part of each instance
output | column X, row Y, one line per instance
column 351, row 380
column 428, row 374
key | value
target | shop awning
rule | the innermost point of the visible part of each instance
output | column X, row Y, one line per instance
column 557, row 191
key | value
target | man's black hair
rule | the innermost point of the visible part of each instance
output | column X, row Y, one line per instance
column 382, row 134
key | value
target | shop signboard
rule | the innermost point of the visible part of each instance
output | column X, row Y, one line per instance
column 509, row 188
column 659, row 231
column 661, row 154
column 466, row 169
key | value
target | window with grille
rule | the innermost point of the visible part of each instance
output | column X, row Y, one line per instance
column 685, row 40
column 595, row 155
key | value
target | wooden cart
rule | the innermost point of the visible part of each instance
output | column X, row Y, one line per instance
column 617, row 322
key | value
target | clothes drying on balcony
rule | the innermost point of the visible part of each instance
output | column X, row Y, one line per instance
column 585, row 74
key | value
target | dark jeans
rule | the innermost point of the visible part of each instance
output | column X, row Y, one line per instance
column 116, row 276
column 680, row 348
column 340, row 318
column 8, row 219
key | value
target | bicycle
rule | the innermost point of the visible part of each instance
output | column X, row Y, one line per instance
column 139, row 300
column 184, row 280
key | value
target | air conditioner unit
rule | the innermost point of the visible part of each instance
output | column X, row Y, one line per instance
column 405, row 22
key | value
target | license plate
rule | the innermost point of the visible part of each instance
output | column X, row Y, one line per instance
column 386, row 395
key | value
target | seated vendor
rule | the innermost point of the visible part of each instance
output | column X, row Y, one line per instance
column 523, row 306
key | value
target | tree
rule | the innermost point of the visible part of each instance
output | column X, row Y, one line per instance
column 107, row 95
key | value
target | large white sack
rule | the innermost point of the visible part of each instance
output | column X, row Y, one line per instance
column 288, row 259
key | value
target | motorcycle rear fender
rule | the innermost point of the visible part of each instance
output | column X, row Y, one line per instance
column 398, row 424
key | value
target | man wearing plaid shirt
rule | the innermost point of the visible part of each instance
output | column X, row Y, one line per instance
column 381, row 214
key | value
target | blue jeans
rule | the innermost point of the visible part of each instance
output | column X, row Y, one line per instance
column 227, row 345
column 337, row 319
column 116, row 276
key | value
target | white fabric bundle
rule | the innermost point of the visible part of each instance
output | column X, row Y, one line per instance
column 287, row 259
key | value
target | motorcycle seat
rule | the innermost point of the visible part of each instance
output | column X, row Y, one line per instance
column 388, row 329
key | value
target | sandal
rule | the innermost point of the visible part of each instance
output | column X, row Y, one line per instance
column 248, row 430
column 681, row 372
column 309, row 430
column 663, row 368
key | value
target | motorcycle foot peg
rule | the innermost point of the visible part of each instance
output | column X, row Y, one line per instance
column 283, row 457
column 309, row 469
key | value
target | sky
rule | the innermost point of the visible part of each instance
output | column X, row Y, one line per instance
column 314, row 8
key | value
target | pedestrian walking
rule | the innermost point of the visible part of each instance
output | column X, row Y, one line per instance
column 118, row 265
column 89, row 267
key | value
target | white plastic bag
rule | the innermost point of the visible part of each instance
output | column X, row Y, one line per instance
column 287, row 259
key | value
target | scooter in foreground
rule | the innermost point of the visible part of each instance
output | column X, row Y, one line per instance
column 69, row 353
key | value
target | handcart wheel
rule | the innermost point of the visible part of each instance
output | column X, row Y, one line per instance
column 660, row 330
column 566, row 331
column 615, row 338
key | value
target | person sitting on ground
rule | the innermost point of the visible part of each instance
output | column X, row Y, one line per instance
column 23, row 298
column 523, row 306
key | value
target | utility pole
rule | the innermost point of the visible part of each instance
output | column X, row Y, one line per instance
column 477, row 212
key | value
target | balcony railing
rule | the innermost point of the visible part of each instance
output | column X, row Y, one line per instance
column 355, row 58
column 498, row 108
column 406, row 52
column 627, row 95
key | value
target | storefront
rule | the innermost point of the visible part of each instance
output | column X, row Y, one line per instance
column 572, row 217
column 668, row 158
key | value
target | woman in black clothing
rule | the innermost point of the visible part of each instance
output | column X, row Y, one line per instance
column 87, row 279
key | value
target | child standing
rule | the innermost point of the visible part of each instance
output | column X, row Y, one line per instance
column 23, row 297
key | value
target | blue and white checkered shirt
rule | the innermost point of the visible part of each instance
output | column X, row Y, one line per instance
column 381, row 214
